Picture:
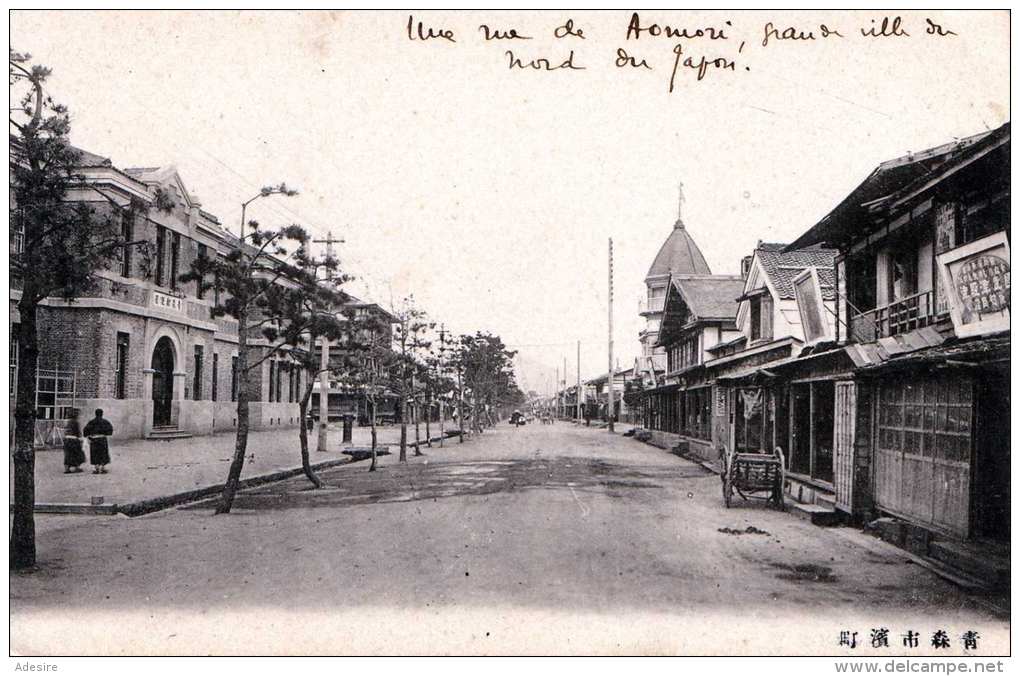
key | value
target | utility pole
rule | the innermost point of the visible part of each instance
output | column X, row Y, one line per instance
column 577, row 412
column 556, row 394
column 442, row 374
column 566, row 413
column 323, row 440
column 611, row 377
column 460, row 405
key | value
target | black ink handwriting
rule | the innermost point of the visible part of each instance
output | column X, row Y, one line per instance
column 542, row 63
column 429, row 33
column 624, row 59
column 496, row 34
column 635, row 29
column 568, row 30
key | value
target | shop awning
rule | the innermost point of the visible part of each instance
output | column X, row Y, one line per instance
column 754, row 374
column 972, row 352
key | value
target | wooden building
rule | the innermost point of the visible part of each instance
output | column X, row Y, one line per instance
column 764, row 410
column 920, row 373
column 685, row 410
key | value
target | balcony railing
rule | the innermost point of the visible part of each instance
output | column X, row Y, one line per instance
column 912, row 312
column 653, row 305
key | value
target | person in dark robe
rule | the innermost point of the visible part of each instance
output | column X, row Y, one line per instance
column 74, row 455
column 98, row 430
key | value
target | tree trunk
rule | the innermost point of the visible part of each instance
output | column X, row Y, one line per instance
column 417, row 429
column 442, row 422
column 306, row 463
column 371, row 467
column 241, row 442
column 428, row 420
column 22, row 552
column 460, row 412
column 403, row 440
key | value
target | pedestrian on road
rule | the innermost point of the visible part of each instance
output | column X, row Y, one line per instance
column 74, row 455
column 98, row 430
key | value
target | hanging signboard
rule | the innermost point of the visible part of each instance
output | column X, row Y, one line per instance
column 975, row 278
column 808, row 289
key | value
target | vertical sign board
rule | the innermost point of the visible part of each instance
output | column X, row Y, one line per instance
column 844, row 434
column 945, row 227
column 975, row 277
column 945, row 239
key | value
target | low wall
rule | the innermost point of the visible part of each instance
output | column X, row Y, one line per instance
column 132, row 418
column 665, row 440
column 126, row 415
column 261, row 416
column 669, row 440
column 807, row 492
column 703, row 450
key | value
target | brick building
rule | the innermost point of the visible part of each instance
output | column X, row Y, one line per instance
column 142, row 345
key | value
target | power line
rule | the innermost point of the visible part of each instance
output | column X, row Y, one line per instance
column 280, row 210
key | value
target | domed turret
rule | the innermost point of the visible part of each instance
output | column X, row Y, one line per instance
column 678, row 255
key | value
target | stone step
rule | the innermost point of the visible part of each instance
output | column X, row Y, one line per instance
column 167, row 434
column 973, row 560
column 827, row 500
column 955, row 575
column 818, row 515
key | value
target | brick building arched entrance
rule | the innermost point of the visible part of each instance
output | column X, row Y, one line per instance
column 163, row 361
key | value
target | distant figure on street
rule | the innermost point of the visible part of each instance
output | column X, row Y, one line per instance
column 74, row 455
column 98, row 430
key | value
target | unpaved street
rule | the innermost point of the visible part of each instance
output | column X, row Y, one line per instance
column 537, row 539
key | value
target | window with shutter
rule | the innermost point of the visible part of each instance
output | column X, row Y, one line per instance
column 766, row 317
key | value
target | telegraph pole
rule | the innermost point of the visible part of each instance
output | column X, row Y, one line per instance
column 323, row 440
column 460, row 406
column 566, row 413
column 611, row 377
column 556, row 394
column 442, row 373
column 578, row 408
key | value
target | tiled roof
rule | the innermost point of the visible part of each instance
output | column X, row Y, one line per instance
column 710, row 296
column 92, row 160
column 781, row 268
column 889, row 177
column 140, row 171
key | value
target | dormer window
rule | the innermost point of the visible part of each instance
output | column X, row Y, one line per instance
column 760, row 310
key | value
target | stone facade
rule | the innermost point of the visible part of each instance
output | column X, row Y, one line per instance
column 119, row 323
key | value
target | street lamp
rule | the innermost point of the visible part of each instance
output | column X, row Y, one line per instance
column 266, row 191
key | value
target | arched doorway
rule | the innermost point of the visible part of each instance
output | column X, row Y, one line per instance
column 162, row 382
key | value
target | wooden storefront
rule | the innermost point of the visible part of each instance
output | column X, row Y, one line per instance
column 923, row 451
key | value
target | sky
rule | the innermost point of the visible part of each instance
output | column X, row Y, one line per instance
column 490, row 192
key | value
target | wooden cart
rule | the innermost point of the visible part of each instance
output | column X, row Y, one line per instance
column 753, row 475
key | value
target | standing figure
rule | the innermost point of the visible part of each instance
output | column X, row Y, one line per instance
column 74, row 455
column 98, row 430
